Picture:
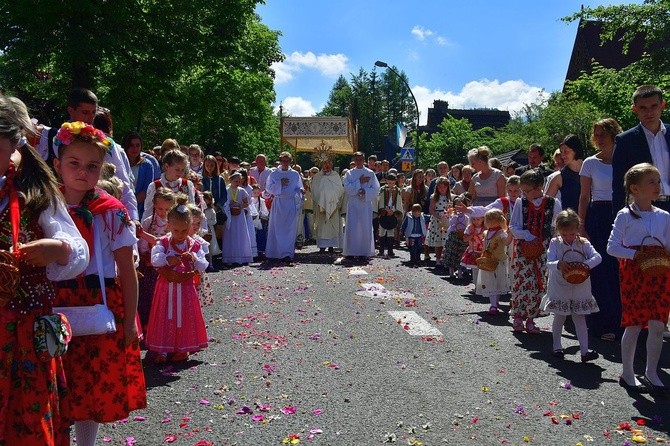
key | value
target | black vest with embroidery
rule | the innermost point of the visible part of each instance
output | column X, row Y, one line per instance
column 548, row 216
column 35, row 290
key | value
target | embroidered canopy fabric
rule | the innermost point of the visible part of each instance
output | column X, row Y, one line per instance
column 306, row 134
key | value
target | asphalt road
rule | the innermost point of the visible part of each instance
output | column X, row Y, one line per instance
column 297, row 357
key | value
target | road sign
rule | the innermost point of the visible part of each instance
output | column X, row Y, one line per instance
column 406, row 166
column 407, row 154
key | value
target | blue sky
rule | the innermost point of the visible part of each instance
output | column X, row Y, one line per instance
column 477, row 53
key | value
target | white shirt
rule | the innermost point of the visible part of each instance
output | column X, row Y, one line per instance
column 659, row 154
column 601, row 178
column 630, row 231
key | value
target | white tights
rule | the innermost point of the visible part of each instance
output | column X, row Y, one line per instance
column 580, row 327
column 654, row 347
column 86, row 431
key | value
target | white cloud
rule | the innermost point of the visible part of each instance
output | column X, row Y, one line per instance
column 329, row 65
column 422, row 34
column 509, row 95
column 296, row 106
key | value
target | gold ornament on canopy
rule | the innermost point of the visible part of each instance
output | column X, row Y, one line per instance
column 322, row 153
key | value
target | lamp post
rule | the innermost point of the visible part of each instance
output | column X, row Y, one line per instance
column 381, row 64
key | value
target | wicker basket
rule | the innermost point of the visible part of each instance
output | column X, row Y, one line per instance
column 531, row 250
column 486, row 262
column 653, row 260
column 10, row 276
column 578, row 272
column 175, row 276
column 235, row 211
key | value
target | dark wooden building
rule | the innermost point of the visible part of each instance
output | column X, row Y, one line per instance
column 478, row 117
column 589, row 48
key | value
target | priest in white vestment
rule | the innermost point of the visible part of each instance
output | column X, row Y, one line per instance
column 361, row 188
column 285, row 184
column 327, row 194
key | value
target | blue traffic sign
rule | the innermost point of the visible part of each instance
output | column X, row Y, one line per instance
column 407, row 154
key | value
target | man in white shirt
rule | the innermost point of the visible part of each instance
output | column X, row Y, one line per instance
column 260, row 172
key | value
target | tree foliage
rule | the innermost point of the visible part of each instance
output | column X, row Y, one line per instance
column 197, row 71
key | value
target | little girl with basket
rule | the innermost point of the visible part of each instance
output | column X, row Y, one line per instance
column 455, row 246
column 492, row 279
column 474, row 235
column 569, row 260
column 644, row 275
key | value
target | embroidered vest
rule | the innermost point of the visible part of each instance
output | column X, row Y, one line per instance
column 35, row 290
column 543, row 224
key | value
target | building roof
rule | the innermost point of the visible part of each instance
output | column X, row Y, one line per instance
column 589, row 48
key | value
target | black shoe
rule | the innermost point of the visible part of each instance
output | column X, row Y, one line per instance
column 632, row 387
column 391, row 253
column 558, row 353
column 591, row 355
column 322, row 250
column 653, row 388
column 331, row 250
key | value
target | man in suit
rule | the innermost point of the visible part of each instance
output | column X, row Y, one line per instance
column 535, row 161
column 648, row 142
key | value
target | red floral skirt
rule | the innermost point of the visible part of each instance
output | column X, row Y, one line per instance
column 29, row 387
column 643, row 298
column 105, row 377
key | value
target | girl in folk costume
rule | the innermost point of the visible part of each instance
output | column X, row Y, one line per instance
column 492, row 284
column 506, row 204
column 104, row 372
column 236, row 239
column 173, row 178
column 176, row 325
column 531, row 225
column 203, row 284
column 645, row 299
column 455, row 246
column 152, row 228
column 39, row 243
column 474, row 236
column 439, row 218
column 564, row 298
column 389, row 205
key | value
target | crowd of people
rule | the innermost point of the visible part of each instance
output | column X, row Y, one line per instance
column 87, row 221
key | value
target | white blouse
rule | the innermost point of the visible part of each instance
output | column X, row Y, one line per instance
column 57, row 224
column 630, row 231
column 114, row 234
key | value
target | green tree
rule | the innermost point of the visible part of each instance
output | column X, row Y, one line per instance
column 339, row 99
column 152, row 63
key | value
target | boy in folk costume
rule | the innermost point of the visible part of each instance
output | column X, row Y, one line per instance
column 389, row 205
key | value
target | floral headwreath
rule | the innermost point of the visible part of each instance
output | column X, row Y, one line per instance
column 70, row 131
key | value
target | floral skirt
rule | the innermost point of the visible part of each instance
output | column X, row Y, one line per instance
column 29, row 388
column 529, row 284
column 643, row 298
column 105, row 377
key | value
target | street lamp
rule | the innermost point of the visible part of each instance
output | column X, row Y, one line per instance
column 381, row 64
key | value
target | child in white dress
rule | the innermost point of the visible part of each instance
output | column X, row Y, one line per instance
column 563, row 298
column 492, row 284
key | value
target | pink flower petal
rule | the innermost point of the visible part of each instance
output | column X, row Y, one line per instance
column 288, row 410
column 139, row 418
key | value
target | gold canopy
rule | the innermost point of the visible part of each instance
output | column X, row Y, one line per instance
column 306, row 134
